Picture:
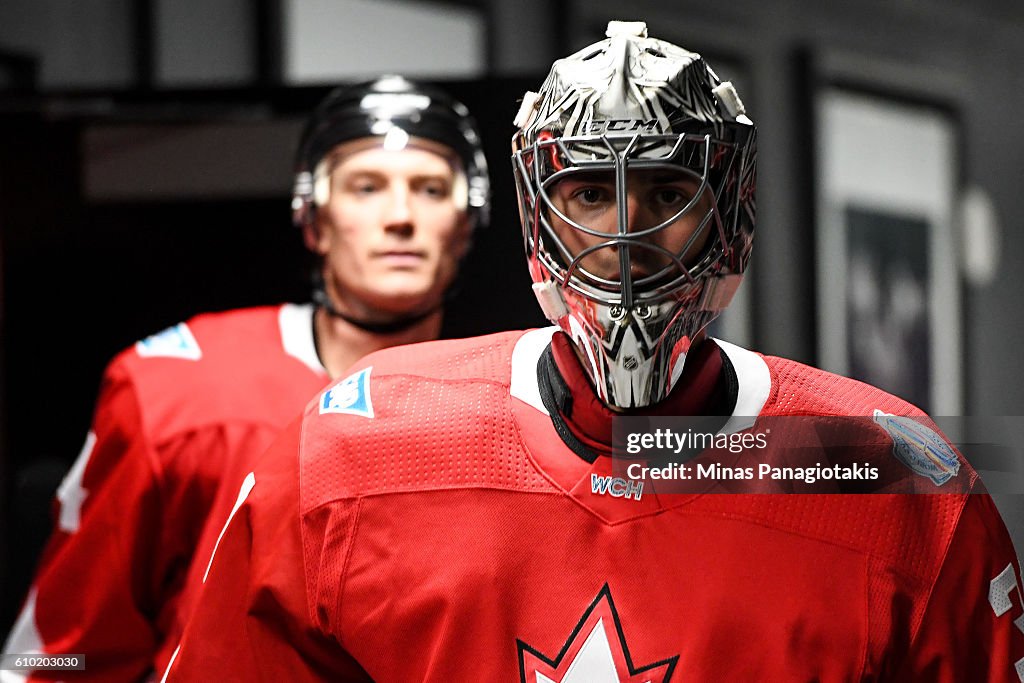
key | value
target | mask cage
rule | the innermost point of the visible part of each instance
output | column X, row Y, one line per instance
column 709, row 161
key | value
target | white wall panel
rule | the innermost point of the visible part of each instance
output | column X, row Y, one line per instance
column 330, row 40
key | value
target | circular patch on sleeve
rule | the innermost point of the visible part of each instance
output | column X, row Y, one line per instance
column 920, row 448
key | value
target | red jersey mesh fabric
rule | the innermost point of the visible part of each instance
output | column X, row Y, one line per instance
column 909, row 535
column 486, row 358
column 436, row 550
column 445, row 423
column 799, row 389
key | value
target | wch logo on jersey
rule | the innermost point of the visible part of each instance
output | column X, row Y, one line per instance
column 616, row 487
column 351, row 395
column 595, row 652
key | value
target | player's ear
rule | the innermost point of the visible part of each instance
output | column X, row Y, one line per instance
column 463, row 236
column 313, row 237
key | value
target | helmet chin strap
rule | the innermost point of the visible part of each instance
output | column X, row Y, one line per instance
column 399, row 324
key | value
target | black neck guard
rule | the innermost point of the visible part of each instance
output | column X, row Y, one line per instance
column 557, row 397
column 395, row 326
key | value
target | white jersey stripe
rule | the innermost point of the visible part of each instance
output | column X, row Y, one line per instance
column 755, row 385
column 296, row 324
column 170, row 664
column 23, row 640
column 525, row 355
column 243, row 493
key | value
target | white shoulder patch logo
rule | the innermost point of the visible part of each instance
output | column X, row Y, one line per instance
column 351, row 395
column 174, row 342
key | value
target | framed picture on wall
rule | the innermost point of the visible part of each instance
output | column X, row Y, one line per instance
column 889, row 300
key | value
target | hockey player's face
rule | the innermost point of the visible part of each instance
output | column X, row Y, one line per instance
column 652, row 198
column 392, row 231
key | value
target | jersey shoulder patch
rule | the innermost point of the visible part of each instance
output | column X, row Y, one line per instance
column 350, row 396
column 919, row 447
column 174, row 342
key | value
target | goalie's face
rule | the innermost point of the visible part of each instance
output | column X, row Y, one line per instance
column 661, row 215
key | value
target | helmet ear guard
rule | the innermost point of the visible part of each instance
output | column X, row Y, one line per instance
column 302, row 199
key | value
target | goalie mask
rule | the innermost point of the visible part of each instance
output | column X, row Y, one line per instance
column 634, row 166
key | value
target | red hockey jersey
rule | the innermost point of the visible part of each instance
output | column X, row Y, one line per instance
column 181, row 417
column 425, row 522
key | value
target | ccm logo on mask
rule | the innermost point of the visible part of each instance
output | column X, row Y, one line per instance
column 622, row 126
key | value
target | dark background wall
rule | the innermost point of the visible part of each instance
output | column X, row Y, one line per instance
column 119, row 223
column 144, row 176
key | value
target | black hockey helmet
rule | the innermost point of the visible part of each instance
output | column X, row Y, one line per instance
column 391, row 108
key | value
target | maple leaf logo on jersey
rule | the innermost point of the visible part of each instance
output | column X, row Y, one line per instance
column 595, row 652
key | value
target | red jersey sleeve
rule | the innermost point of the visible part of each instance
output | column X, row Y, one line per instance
column 973, row 625
column 92, row 593
column 252, row 620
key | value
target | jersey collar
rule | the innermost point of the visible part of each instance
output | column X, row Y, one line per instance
column 753, row 379
column 295, row 322
column 585, row 423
